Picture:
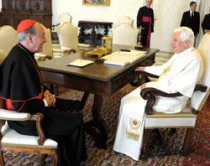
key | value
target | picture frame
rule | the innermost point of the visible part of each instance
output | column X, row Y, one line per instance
column 96, row 2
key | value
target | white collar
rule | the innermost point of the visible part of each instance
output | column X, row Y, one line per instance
column 185, row 51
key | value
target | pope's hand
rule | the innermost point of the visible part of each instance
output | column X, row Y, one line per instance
column 143, row 86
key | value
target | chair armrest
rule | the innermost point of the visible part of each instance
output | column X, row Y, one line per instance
column 12, row 115
column 150, row 94
column 200, row 87
column 144, row 73
column 21, row 116
column 38, row 118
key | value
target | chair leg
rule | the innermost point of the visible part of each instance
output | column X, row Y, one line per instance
column 145, row 149
column 42, row 159
column 1, row 158
column 187, row 141
column 55, row 159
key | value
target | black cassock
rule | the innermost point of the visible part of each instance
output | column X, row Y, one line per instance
column 148, row 26
column 22, row 83
column 206, row 22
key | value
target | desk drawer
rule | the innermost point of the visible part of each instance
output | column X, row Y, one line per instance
column 149, row 61
column 122, row 80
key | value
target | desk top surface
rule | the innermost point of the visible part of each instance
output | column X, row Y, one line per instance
column 97, row 71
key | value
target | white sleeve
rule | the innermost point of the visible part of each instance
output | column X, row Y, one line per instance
column 184, row 82
column 45, row 103
column 158, row 70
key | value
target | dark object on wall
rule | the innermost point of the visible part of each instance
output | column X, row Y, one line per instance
column 14, row 11
column 93, row 37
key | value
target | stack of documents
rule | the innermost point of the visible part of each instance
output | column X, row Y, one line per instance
column 123, row 58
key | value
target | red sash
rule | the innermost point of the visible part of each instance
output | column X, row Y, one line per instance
column 148, row 19
column 9, row 106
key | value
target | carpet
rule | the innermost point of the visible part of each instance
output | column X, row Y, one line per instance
column 200, row 155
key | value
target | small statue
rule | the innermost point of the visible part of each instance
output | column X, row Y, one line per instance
column 139, row 45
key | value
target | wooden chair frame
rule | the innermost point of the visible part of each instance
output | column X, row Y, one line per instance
column 27, row 149
column 150, row 94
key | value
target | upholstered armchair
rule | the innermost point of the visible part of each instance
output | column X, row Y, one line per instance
column 123, row 20
column 184, row 119
column 12, row 141
column 62, row 18
column 125, row 34
column 68, row 36
column 8, row 38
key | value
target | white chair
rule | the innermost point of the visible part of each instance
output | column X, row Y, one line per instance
column 186, row 118
column 62, row 18
column 12, row 141
column 124, row 20
column 125, row 34
column 68, row 36
column 8, row 38
column 2, row 56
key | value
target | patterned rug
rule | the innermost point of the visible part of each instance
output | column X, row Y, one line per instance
column 200, row 155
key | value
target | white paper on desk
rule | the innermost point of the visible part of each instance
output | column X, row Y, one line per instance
column 117, row 58
column 80, row 63
column 84, row 45
column 62, row 49
column 118, row 62
column 39, row 54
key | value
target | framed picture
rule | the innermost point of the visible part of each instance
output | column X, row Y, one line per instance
column 96, row 2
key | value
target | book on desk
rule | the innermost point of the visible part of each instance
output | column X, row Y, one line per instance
column 123, row 58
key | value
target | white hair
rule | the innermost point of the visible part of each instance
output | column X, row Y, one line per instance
column 186, row 34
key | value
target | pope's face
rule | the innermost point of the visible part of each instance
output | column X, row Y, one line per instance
column 38, row 39
column 177, row 44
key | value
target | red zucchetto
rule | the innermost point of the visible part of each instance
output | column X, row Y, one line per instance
column 25, row 24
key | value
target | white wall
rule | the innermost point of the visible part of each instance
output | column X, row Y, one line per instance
column 110, row 13
column 168, row 15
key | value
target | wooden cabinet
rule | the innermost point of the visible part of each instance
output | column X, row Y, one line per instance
column 14, row 11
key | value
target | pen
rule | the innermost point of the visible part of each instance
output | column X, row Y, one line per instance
column 125, row 50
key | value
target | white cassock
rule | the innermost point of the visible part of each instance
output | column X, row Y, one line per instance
column 180, row 74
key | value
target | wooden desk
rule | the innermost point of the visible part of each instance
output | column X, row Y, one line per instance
column 99, row 79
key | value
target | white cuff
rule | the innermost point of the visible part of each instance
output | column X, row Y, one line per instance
column 45, row 103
